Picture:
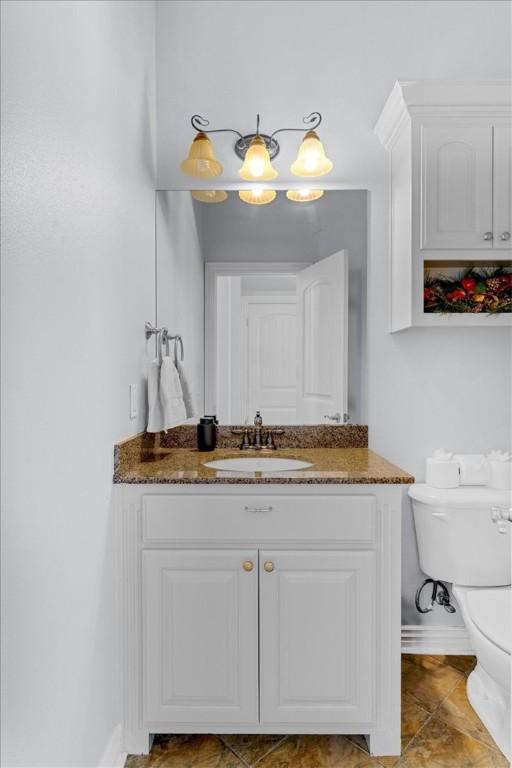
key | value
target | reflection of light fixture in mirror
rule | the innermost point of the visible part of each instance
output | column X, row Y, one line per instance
column 210, row 195
column 257, row 196
column 304, row 195
column 201, row 161
column 257, row 165
column 257, row 150
column 311, row 159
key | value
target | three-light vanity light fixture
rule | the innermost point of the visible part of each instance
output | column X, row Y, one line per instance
column 257, row 150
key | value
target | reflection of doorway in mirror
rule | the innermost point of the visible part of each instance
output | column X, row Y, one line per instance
column 256, row 348
column 276, row 341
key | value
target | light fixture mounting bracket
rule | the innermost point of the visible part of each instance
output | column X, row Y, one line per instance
column 241, row 146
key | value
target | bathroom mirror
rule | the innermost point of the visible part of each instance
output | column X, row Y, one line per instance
column 270, row 301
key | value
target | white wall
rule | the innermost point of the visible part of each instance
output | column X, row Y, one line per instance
column 77, row 286
column 426, row 387
column 180, row 282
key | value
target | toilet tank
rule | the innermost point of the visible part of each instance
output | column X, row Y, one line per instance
column 457, row 540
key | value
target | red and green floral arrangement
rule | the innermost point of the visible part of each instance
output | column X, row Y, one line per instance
column 477, row 289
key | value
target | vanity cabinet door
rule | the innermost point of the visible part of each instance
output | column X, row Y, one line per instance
column 200, row 636
column 317, row 636
column 456, row 184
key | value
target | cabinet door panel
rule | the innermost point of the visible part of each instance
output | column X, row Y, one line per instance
column 456, row 184
column 503, row 184
column 200, row 636
column 317, row 637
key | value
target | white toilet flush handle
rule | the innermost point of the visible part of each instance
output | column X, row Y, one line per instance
column 501, row 516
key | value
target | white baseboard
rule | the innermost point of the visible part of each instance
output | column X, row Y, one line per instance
column 417, row 638
column 113, row 755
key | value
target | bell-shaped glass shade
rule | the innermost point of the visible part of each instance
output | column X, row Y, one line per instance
column 304, row 195
column 257, row 165
column 257, row 196
column 201, row 161
column 311, row 159
column 210, row 195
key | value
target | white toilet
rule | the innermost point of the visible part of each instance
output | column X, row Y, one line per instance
column 459, row 543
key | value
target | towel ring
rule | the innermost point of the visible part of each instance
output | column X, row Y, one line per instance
column 165, row 340
column 178, row 340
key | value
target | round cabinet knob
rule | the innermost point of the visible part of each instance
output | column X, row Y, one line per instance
column 505, row 236
column 248, row 565
column 269, row 566
column 487, row 235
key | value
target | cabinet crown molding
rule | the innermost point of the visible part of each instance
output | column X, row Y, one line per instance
column 440, row 97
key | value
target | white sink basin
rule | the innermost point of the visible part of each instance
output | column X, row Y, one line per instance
column 257, row 465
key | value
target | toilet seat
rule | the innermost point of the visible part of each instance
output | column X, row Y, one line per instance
column 491, row 612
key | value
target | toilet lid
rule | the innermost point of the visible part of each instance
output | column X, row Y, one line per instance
column 491, row 611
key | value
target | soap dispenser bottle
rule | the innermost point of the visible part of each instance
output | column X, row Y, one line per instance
column 207, row 433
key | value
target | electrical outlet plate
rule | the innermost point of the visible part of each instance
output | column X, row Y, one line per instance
column 133, row 401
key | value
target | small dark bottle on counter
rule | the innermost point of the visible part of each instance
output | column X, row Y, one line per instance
column 207, row 433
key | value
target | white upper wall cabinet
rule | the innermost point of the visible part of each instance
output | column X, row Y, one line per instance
column 456, row 183
column 450, row 185
column 502, row 167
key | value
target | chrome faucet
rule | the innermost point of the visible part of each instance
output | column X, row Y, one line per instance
column 257, row 441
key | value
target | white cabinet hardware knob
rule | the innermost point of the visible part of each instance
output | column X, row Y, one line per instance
column 269, row 566
column 488, row 236
column 335, row 417
column 248, row 565
column 505, row 236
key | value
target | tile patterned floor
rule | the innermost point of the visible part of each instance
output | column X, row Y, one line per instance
column 439, row 730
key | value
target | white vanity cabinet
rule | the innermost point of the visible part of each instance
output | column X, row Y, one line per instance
column 261, row 609
column 450, row 153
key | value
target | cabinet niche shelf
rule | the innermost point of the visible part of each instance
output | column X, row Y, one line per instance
column 450, row 148
column 467, row 287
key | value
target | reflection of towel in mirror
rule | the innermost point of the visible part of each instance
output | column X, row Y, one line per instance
column 188, row 397
column 171, row 395
column 155, row 412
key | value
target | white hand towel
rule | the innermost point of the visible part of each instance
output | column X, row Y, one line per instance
column 171, row 395
column 155, row 412
column 188, row 397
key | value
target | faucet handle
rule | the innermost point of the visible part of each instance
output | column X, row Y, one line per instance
column 269, row 442
column 246, row 443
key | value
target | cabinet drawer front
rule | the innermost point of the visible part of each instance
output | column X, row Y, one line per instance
column 247, row 518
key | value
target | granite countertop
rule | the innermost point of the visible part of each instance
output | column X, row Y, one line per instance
column 161, row 464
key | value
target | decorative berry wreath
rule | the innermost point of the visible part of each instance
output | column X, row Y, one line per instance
column 475, row 290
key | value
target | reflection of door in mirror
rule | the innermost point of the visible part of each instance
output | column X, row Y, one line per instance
column 270, row 367
column 322, row 341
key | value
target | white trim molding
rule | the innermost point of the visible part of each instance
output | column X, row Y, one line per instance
column 114, row 756
column 451, row 98
column 435, row 639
